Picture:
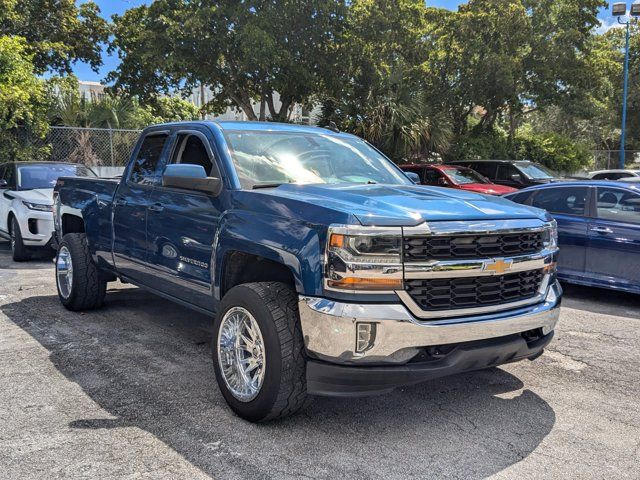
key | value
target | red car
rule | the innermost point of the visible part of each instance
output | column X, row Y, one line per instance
column 456, row 177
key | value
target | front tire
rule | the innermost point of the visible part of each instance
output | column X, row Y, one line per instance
column 258, row 351
column 80, row 285
column 19, row 251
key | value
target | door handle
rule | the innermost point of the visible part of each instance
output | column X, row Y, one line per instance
column 603, row 230
column 156, row 207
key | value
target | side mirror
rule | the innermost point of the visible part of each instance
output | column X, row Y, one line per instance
column 443, row 182
column 516, row 177
column 3, row 184
column 413, row 176
column 190, row 177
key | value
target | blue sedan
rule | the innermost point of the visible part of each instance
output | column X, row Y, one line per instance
column 598, row 230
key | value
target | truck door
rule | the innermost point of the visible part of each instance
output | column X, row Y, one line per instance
column 181, row 227
column 130, row 207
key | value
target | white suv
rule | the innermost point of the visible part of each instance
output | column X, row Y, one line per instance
column 26, row 190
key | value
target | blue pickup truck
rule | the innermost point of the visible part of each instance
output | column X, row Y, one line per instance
column 328, row 271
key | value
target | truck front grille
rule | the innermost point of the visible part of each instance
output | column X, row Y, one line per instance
column 469, row 292
column 464, row 247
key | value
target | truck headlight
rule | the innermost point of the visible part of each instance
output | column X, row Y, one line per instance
column 550, row 236
column 361, row 259
column 41, row 207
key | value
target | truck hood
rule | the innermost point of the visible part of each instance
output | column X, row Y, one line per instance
column 43, row 196
column 405, row 205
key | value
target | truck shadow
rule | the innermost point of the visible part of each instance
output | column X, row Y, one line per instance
column 146, row 362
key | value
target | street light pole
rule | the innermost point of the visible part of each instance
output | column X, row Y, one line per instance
column 620, row 10
column 624, row 97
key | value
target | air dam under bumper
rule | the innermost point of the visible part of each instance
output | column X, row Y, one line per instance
column 337, row 368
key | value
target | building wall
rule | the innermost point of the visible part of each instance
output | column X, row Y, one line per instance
column 299, row 115
column 90, row 91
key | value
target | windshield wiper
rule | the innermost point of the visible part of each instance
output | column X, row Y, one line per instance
column 265, row 185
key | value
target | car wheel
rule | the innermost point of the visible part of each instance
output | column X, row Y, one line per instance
column 80, row 285
column 258, row 351
column 18, row 249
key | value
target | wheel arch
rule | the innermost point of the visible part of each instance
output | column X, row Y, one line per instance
column 289, row 250
column 71, row 223
column 239, row 267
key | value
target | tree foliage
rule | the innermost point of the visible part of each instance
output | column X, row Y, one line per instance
column 58, row 32
column 22, row 99
column 381, row 95
column 244, row 51
column 112, row 110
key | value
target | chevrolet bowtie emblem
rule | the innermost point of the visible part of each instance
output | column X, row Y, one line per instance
column 497, row 266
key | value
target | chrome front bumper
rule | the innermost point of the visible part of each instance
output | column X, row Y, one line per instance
column 330, row 328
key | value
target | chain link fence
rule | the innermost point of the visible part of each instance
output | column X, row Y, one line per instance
column 101, row 147
column 610, row 159
column 94, row 147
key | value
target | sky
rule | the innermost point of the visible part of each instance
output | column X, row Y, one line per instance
column 110, row 7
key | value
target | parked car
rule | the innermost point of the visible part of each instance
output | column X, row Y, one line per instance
column 512, row 173
column 453, row 176
column 598, row 230
column 613, row 174
column 328, row 270
column 26, row 190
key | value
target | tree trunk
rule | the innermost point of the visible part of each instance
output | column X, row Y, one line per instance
column 262, row 109
column 244, row 103
column 272, row 109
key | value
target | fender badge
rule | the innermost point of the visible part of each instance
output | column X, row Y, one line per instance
column 497, row 266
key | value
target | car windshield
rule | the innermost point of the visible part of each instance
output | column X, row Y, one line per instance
column 535, row 171
column 464, row 176
column 267, row 159
column 31, row 177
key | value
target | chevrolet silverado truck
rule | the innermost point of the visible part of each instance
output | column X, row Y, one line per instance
column 327, row 270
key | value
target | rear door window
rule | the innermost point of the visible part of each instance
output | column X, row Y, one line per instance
column 564, row 200
column 146, row 167
column 486, row 169
column 618, row 205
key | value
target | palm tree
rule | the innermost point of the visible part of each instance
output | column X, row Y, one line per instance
column 394, row 117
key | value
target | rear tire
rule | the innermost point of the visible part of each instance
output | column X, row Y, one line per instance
column 18, row 249
column 80, row 285
column 282, row 391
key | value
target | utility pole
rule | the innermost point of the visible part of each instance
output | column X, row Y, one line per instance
column 620, row 10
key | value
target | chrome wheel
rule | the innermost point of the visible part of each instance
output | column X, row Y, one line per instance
column 64, row 272
column 13, row 238
column 241, row 354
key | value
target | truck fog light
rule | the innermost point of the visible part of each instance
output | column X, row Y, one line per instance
column 365, row 336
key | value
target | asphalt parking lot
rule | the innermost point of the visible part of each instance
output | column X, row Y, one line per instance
column 128, row 392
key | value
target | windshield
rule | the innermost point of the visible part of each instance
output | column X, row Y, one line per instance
column 45, row 176
column 266, row 159
column 464, row 176
column 535, row 171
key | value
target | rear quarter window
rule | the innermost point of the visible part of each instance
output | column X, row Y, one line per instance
column 521, row 197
